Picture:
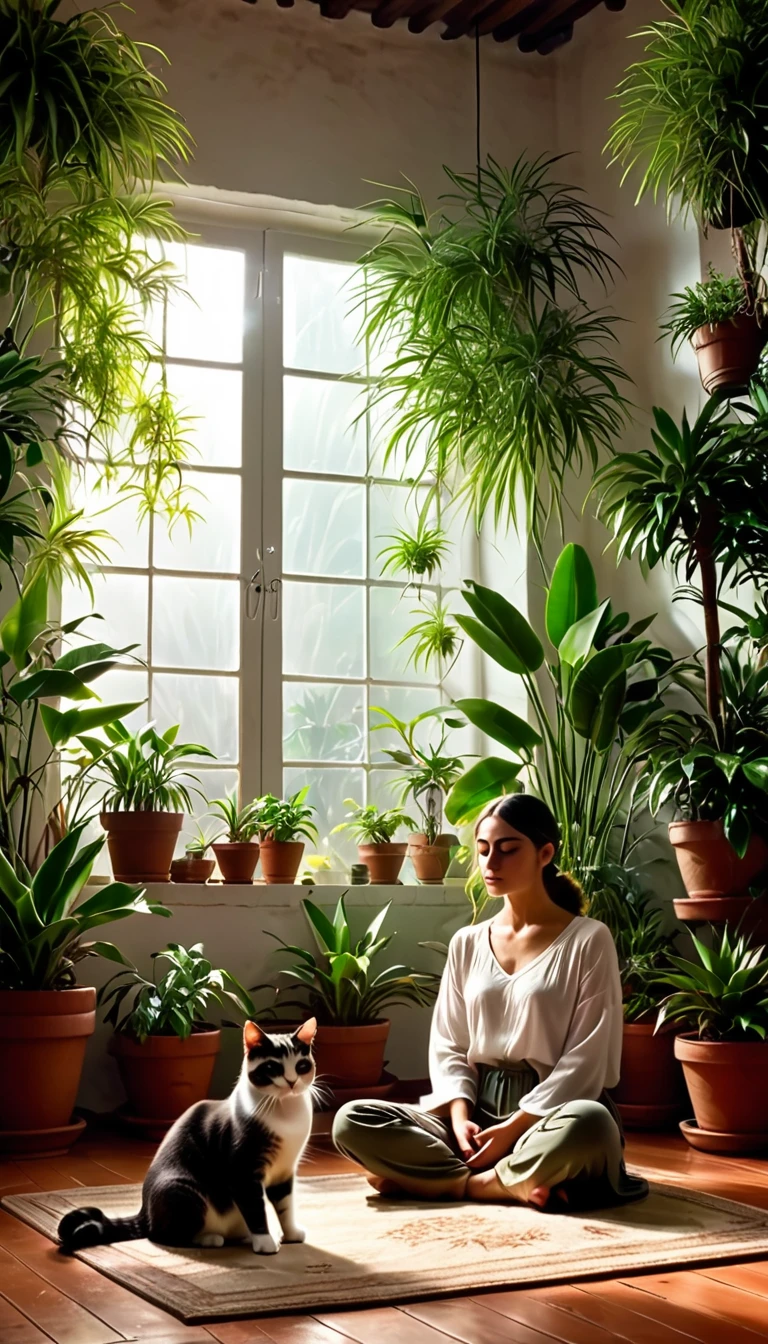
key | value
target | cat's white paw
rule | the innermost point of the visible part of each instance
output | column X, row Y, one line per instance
column 264, row 1244
column 209, row 1239
column 294, row 1233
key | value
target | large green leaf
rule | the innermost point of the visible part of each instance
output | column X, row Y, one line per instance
column 757, row 773
column 26, row 619
column 491, row 643
column 509, row 624
column 48, row 682
column 62, row 727
column 592, row 681
column 500, row 724
column 605, row 721
column 579, row 638
column 483, row 782
column 572, row 593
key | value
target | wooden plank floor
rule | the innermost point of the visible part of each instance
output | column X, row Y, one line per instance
column 44, row 1297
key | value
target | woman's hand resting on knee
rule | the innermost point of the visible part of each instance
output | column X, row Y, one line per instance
column 467, row 1132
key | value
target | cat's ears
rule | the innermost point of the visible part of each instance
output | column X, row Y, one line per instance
column 252, row 1036
column 306, row 1032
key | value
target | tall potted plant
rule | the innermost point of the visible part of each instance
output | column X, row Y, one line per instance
column 724, row 996
column 164, row 1044
column 45, row 1017
column 726, row 327
column 430, row 774
column 283, row 826
column 348, row 999
column 375, row 829
column 147, row 796
column 236, row 850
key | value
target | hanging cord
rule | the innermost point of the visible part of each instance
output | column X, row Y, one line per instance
column 477, row 101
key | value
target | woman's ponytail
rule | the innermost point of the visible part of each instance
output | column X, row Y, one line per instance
column 563, row 889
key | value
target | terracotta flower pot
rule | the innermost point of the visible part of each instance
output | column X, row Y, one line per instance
column 192, row 869
column 280, row 860
column 383, row 861
column 43, row 1035
column 728, row 353
column 351, row 1056
column 728, row 1083
column 141, row 844
column 237, row 859
column 651, row 1091
column 709, row 865
column 165, row 1075
column 430, row 862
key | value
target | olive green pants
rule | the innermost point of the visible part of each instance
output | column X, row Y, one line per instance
column 578, row 1146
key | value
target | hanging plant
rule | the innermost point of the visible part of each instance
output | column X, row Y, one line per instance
column 500, row 366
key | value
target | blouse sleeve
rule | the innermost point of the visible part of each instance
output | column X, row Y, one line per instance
column 591, row 1054
column 450, row 1072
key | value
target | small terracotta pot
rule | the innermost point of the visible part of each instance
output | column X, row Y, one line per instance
column 728, row 1083
column 651, row 1091
column 351, row 1056
column 709, row 865
column 192, row 869
column 43, row 1034
column 430, row 862
column 165, row 1075
column 728, row 353
column 141, row 844
column 237, row 859
column 280, row 860
column 383, row 861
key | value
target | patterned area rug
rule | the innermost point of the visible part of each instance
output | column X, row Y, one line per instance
column 362, row 1250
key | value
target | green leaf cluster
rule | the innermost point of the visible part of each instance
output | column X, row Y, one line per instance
column 643, row 942
column 241, row 822
column 177, row 1003
column 44, row 923
column 340, row 987
column 419, row 553
column 719, row 298
column 430, row 773
column 372, row 825
column 725, row 993
column 146, row 770
column 285, row 819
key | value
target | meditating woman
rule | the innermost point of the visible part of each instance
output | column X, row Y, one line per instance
column 526, row 1035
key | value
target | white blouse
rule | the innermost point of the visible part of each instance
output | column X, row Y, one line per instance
column 561, row 1014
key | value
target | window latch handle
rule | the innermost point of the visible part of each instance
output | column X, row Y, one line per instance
column 253, row 595
column 274, row 588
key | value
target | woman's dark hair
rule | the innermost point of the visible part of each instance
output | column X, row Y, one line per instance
column 532, row 818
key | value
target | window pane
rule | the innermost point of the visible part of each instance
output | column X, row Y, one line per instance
column 322, row 722
column 320, row 432
column 214, row 543
column 121, row 599
column 405, row 702
column 328, row 789
column 207, row 708
column 393, row 508
column 319, row 331
column 392, row 615
column 323, row 626
column 121, row 685
column 196, row 623
column 207, row 322
column 128, row 541
column 213, row 400
column 323, row 528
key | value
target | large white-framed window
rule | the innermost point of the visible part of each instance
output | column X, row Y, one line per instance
column 271, row 632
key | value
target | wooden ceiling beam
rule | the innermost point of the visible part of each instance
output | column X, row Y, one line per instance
column 387, row 14
column 463, row 17
column 513, row 12
column 334, row 9
column 561, row 16
column 431, row 13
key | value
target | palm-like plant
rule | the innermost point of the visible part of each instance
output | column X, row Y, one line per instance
column 430, row 772
column 693, row 110
column 500, row 366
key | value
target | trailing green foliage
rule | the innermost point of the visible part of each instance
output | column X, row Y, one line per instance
column 719, row 298
column 372, row 825
column 146, row 769
column 430, row 773
column 419, row 554
column 43, row 923
column 177, row 1003
column 725, row 993
column 340, row 988
column 241, row 823
column 436, row 639
column 500, row 366
column 693, row 111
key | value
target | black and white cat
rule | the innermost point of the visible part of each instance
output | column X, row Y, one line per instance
column 219, row 1162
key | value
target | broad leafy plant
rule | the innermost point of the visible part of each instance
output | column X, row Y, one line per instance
column 340, row 986
column 45, row 923
column 285, row 819
column 177, row 1003
column 603, row 682
column 430, row 771
column 372, row 825
column 146, row 771
column 724, row 994
column 500, row 367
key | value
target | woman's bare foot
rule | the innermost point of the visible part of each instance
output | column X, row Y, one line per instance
column 389, row 1189
column 485, row 1185
column 540, row 1195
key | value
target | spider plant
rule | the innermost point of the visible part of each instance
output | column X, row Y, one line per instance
column 693, row 111
column 146, row 771
column 419, row 554
column 372, row 825
column 719, row 298
column 500, row 367
column 241, row 823
column 436, row 638
column 430, row 773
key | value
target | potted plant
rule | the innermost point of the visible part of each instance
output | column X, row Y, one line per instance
column 725, row 993
column 45, row 1017
column 281, row 823
column 374, row 828
column 419, row 554
column 238, row 854
column 699, row 500
column 163, row 1042
column 193, row 866
column 726, row 326
column 143, row 809
column 346, row 996
column 651, row 1092
column 430, row 774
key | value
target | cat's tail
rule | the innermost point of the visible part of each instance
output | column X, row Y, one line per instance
column 91, row 1227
